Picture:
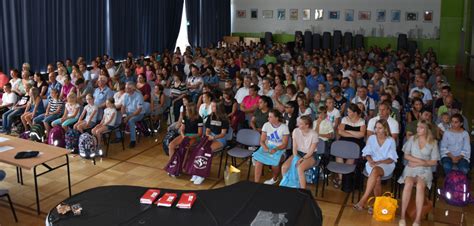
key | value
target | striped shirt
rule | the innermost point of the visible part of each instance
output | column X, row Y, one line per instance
column 55, row 104
column 177, row 91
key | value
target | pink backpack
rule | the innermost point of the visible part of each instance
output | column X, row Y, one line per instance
column 456, row 189
column 56, row 137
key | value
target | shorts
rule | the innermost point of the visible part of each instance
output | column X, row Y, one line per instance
column 110, row 128
column 302, row 154
column 223, row 141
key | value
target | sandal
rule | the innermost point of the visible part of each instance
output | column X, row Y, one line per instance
column 357, row 207
column 336, row 183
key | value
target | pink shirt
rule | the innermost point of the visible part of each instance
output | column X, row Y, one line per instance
column 66, row 90
column 249, row 101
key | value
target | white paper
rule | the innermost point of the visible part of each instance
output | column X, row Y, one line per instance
column 3, row 139
column 5, row 148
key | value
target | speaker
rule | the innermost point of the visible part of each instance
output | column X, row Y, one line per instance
column 347, row 43
column 359, row 41
column 412, row 46
column 326, row 40
column 402, row 42
column 316, row 41
column 308, row 41
column 336, row 41
column 268, row 39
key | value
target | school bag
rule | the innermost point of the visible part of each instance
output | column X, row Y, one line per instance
column 72, row 140
column 199, row 160
column 312, row 175
column 25, row 135
column 175, row 164
column 37, row 133
column 456, row 189
column 56, row 137
column 88, row 146
column 170, row 135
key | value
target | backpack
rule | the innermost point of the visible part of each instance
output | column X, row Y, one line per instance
column 175, row 165
column 37, row 133
column 168, row 138
column 25, row 135
column 72, row 140
column 56, row 136
column 88, row 146
column 456, row 189
column 312, row 175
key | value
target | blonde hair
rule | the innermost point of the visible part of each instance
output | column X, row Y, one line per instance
column 430, row 137
column 386, row 127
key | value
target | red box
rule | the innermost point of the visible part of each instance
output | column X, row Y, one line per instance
column 150, row 196
column 186, row 201
column 166, row 200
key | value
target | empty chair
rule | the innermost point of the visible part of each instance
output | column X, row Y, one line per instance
column 346, row 150
column 336, row 41
column 402, row 42
column 347, row 41
column 246, row 138
column 308, row 41
column 359, row 41
column 316, row 41
column 326, row 40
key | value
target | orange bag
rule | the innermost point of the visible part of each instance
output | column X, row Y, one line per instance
column 385, row 207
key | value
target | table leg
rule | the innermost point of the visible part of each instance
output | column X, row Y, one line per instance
column 21, row 176
column 17, row 175
column 68, row 175
column 36, row 191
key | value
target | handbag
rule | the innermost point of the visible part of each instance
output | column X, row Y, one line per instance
column 231, row 175
column 411, row 208
column 201, row 161
column 385, row 207
column 174, row 166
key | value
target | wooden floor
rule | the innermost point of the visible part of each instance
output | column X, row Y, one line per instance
column 143, row 166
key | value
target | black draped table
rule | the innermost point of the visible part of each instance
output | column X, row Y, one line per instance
column 237, row 204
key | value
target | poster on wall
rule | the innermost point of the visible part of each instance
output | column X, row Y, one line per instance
column 306, row 14
column 254, row 14
column 241, row 13
column 333, row 15
column 267, row 14
column 428, row 16
column 281, row 14
column 364, row 15
column 349, row 15
column 318, row 14
column 293, row 14
column 396, row 15
column 381, row 14
column 411, row 16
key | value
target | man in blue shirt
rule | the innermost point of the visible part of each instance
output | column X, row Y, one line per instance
column 313, row 80
column 53, row 84
column 101, row 94
column 132, row 110
column 347, row 91
column 128, row 76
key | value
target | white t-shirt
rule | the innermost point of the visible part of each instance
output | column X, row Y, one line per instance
column 346, row 73
column 426, row 94
column 204, row 111
column 71, row 108
column 89, row 109
column 9, row 98
column 333, row 115
column 306, row 112
column 275, row 135
column 111, row 71
column 369, row 103
column 194, row 80
column 118, row 98
column 392, row 124
column 303, row 142
column 325, row 127
column 268, row 94
column 241, row 94
column 347, row 121
column 108, row 114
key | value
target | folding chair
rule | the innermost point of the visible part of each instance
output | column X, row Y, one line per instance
column 246, row 138
column 220, row 151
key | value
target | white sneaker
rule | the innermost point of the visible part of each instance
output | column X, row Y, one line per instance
column 199, row 180
column 193, row 178
column 271, row 181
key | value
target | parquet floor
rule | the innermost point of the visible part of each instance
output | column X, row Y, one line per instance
column 143, row 166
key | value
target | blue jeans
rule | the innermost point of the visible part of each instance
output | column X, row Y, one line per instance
column 132, row 126
column 2, row 175
column 447, row 163
column 48, row 119
column 7, row 118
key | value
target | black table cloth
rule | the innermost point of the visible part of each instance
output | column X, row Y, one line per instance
column 237, row 204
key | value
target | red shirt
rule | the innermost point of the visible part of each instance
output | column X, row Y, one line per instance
column 3, row 79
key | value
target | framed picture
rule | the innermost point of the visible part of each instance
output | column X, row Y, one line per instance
column 396, row 15
column 254, row 14
column 241, row 13
column 267, row 14
column 318, row 14
column 411, row 16
column 333, row 15
column 381, row 14
column 281, row 14
column 293, row 14
column 306, row 14
column 428, row 16
column 349, row 15
column 364, row 15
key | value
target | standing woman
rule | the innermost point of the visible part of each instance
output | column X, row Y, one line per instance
column 381, row 155
column 216, row 125
column 144, row 87
column 455, row 146
column 273, row 142
column 305, row 141
column 421, row 152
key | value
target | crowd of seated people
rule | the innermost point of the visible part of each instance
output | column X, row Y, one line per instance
column 392, row 104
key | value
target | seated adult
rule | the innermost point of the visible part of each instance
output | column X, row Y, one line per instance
column 15, row 111
column 250, row 102
column 291, row 115
column 415, row 112
column 421, row 152
column 9, row 98
column 132, row 111
column 83, row 89
column 101, row 94
column 34, row 108
column 53, row 84
column 53, row 111
column 305, row 141
column 231, row 108
column 455, row 146
column 260, row 116
column 144, row 87
column 41, row 84
column 194, row 83
column 273, row 143
column 205, row 108
column 411, row 127
column 67, row 88
column 381, row 155
column 216, row 125
column 384, row 113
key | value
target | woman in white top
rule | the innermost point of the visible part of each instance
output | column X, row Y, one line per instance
column 303, row 108
column 88, row 117
column 273, row 142
column 322, row 125
column 305, row 141
column 205, row 108
column 119, row 96
column 381, row 155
